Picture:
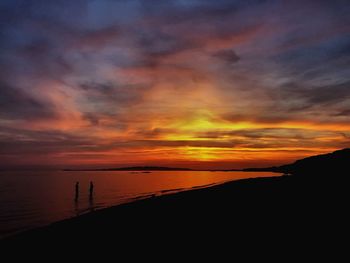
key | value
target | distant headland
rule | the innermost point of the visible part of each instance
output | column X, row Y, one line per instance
column 320, row 163
column 135, row 168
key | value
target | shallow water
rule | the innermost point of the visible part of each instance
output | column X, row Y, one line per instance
column 36, row 198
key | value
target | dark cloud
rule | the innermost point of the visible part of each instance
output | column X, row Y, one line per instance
column 97, row 38
column 229, row 56
column 185, row 143
column 153, row 133
column 105, row 95
column 93, row 118
column 314, row 96
column 268, row 133
column 15, row 104
column 345, row 113
column 26, row 142
column 261, row 116
column 160, row 44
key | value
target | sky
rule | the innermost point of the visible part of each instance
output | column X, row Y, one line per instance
column 182, row 83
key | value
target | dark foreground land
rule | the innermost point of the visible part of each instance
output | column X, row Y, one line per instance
column 305, row 207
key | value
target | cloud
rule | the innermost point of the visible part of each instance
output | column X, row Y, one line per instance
column 15, row 104
column 345, row 113
column 93, row 79
column 228, row 56
column 314, row 97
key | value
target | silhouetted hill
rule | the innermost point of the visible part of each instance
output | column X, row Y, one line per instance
column 314, row 165
column 325, row 163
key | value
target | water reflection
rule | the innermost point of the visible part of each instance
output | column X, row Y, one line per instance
column 80, row 205
column 91, row 196
column 54, row 195
column 76, row 207
column 76, row 191
column 91, row 203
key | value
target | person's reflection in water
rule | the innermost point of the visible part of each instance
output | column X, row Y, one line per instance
column 76, row 207
column 76, row 199
column 76, row 191
column 91, row 190
column 91, row 197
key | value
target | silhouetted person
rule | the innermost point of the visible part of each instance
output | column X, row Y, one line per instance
column 91, row 190
column 76, row 191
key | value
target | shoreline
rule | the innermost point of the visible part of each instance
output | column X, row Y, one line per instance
column 126, row 203
column 243, row 212
column 71, row 208
column 179, row 201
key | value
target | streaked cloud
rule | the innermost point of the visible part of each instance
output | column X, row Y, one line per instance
column 179, row 82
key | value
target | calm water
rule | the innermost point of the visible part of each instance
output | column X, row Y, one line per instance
column 31, row 199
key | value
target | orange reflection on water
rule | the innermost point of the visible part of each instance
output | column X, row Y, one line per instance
column 31, row 199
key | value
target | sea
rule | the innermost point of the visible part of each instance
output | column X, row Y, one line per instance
column 31, row 199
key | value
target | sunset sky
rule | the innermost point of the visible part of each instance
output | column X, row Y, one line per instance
column 182, row 83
